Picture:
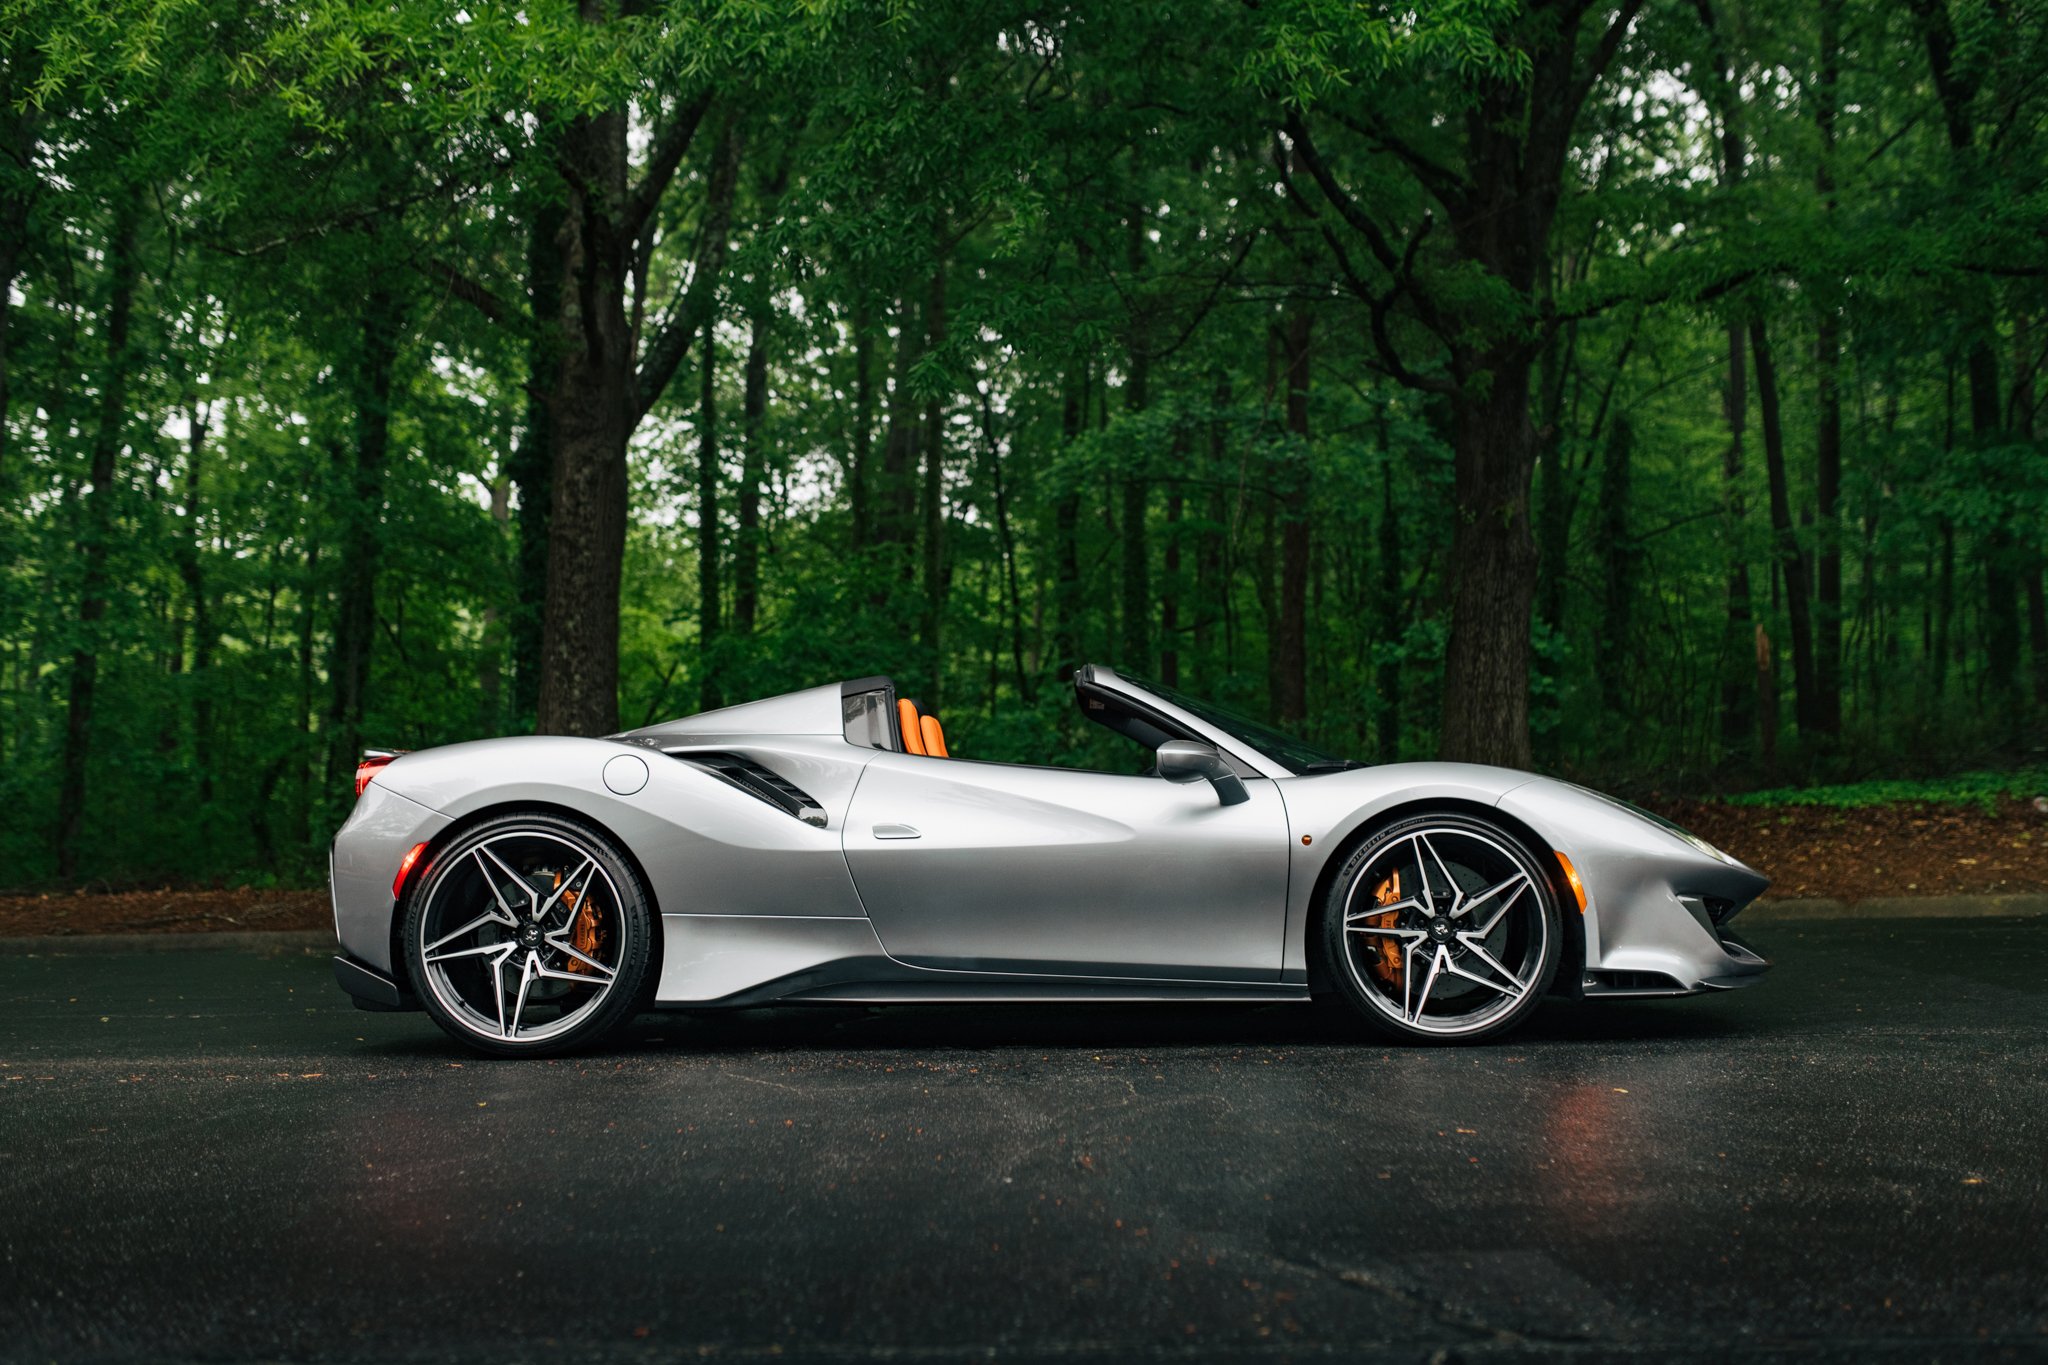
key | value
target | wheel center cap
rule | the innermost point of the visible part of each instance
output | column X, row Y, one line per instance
column 530, row 936
column 1440, row 930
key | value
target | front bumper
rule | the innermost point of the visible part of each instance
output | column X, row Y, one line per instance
column 1657, row 906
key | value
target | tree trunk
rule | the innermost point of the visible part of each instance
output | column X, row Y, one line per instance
column 1554, row 505
column 857, row 471
column 1290, row 646
column 2022, row 427
column 1827, row 717
column 1067, row 597
column 932, row 500
column 1169, row 599
column 1766, row 701
column 17, row 188
column 1386, row 723
column 1493, row 556
column 1618, row 575
column 490, row 672
column 1827, row 701
column 532, row 465
column 2037, row 632
column 192, row 571
column 1211, row 586
column 896, row 494
column 746, row 553
column 1792, row 564
column 308, row 746
column 355, row 621
column 1006, row 544
column 710, row 624
column 97, row 528
column 1740, row 644
column 590, row 416
column 1738, row 687
column 1956, row 86
column 1134, row 648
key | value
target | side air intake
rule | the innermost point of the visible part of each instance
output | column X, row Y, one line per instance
column 760, row 783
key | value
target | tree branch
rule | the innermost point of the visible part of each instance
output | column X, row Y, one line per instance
column 1347, row 208
column 1603, row 57
column 468, row 290
column 662, row 163
column 672, row 343
column 1444, row 184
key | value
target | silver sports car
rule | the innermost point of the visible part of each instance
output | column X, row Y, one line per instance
column 533, row 893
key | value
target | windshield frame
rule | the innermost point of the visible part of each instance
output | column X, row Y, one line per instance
column 1272, row 752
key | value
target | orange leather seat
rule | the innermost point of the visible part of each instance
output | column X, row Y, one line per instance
column 913, row 733
column 922, row 735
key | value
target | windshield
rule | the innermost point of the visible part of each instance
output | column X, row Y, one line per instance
column 1298, row 756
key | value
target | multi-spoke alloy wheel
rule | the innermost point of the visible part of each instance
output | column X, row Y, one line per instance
column 1442, row 929
column 528, row 935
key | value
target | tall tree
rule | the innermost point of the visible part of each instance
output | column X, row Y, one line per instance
column 605, row 381
column 1290, row 643
column 1791, row 561
column 1956, row 85
column 1497, row 173
column 99, row 498
column 1827, row 364
column 361, row 468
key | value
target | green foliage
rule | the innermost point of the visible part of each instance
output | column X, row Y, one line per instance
column 1054, row 251
column 1982, row 790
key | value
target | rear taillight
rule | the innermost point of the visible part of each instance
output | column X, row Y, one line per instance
column 369, row 763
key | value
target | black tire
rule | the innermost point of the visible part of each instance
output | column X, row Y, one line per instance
column 1408, row 971
column 471, row 938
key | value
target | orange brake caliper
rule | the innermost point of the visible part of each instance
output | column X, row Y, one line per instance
column 1386, row 965
column 583, row 934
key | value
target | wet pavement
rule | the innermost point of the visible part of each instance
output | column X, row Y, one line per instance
column 210, row 1156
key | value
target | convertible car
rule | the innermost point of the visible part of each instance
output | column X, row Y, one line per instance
column 531, row 894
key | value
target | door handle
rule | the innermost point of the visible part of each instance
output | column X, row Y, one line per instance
column 896, row 832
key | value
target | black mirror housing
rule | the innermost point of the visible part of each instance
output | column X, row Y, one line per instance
column 1187, row 760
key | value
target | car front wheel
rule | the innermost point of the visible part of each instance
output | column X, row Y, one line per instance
column 1441, row 929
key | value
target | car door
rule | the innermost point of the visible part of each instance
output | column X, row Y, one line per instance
column 990, row 867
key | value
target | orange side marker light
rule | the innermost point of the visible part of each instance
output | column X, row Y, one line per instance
column 1571, row 877
column 405, row 870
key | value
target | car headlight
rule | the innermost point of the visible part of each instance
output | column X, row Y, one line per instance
column 1670, row 827
column 1702, row 845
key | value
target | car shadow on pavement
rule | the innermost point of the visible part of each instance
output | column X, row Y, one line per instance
column 947, row 1028
column 918, row 1027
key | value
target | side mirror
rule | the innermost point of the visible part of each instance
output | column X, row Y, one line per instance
column 1186, row 760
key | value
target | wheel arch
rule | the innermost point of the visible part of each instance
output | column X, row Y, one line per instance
column 1572, row 952
column 401, row 969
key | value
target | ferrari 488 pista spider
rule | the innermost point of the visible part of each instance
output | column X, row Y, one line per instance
column 533, row 893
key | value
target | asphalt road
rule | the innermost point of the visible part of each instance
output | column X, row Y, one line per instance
column 210, row 1156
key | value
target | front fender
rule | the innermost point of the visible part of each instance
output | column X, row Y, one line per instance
column 1330, row 808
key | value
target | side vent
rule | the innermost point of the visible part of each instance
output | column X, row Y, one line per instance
column 760, row 783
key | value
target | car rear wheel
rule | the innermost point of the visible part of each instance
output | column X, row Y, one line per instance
column 529, row 935
column 1441, row 929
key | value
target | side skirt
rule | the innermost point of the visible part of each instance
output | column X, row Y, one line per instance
column 1038, row 993
column 731, row 961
